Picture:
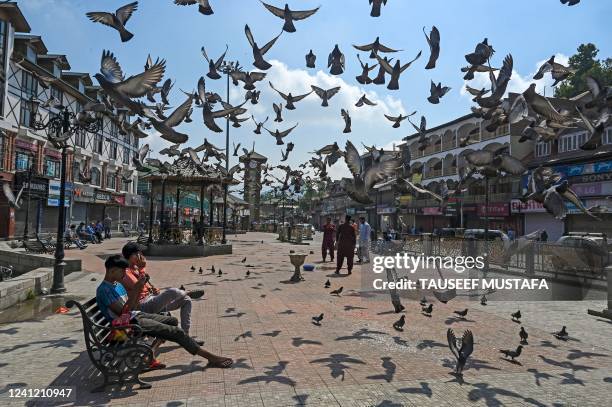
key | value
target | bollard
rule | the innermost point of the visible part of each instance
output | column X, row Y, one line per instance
column 427, row 244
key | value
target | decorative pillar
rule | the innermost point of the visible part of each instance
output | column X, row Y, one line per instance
column 40, row 157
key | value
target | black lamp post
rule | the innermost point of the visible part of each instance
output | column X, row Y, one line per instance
column 162, row 227
column 60, row 129
column 227, row 68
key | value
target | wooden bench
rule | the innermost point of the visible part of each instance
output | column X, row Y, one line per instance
column 142, row 239
column 119, row 362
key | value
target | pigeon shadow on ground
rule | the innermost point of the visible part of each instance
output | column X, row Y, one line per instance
column 578, row 354
column 389, row 403
column 299, row 341
column 64, row 342
column 487, row 394
column 272, row 334
column 537, row 375
column 424, row 389
column 272, row 375
column 338, row 363
column 399, row 341
column 514, row 362
column 566, row 364
column 390, row 369
column 9, row 331
column 452, row 320
column 175, row 371
column 361, row 334
column 428, row 343
column 353, row 307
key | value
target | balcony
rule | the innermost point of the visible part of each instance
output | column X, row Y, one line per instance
column 449, row 171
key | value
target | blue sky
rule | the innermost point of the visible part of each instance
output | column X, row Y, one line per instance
column 531, row 30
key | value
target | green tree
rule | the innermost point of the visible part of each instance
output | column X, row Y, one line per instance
column 585, row 63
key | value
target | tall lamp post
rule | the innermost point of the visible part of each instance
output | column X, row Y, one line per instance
column 60, row 129
column 227, row 68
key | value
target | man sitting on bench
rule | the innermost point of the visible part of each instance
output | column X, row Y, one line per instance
column 114, row 302
column 150, row 299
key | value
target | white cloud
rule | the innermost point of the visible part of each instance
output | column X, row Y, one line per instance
column 518, row 83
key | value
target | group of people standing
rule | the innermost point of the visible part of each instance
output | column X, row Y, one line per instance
column 343, row 239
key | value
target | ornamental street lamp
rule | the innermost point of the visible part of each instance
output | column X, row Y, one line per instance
column 60, row 128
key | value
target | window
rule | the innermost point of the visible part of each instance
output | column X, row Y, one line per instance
column 125, row 186
column 113, row 150
column 571, row 142
column 98, row 143
column 95, row 176
column 3, row 27
column 76, row 171
column 29, row 87
column 542, row 149
column 114, row 130
column 52, row 168
column 31, row 54
column 79, row 138
column 502, row 130
column 126, row 155
column 23, row 160
column 110, row 180
column 607, row 136
column 57, row 93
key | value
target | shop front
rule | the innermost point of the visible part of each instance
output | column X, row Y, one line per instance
column 387, row 218
column 500, row 218
column 536, row 218
column 33, row 203
column 82, row 197
column 48, row 222
column 98, row 209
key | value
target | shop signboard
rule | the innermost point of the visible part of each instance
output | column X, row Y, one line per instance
column 119, row 199
column 494, row 209
column 574, row 170
column 432, row 210
column 386, row 210
column 83, row 193
column 38, row 188
column 53, row 196
column 518, row 206
column 102, row 196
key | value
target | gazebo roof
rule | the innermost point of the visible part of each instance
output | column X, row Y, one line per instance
column 253, row 155
column 185, row 171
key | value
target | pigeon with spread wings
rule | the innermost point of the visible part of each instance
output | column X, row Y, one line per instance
column 258, row 53
column 336, row 61
column 289, row 98
column 364, row 79
column 258, row 125
column 279, row 135
column 433, row 40
column 116, row 20
column 121, row 90
column 165, row 127
column 375, row 47
column 203, row 5
column 289, row 15
column 213, row 65
column 325, row 95
column 397, row 120
column 396, row 70
column 463, row 353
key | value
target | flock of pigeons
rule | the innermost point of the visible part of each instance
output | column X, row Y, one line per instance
column 544, row 119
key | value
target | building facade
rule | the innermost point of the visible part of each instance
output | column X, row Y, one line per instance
column 100, row 176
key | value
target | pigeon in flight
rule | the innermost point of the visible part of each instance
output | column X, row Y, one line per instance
column 337, row 292
column 399, row 324
column 278, row 110
column 397, row 120
column 396, row 70
column 336, row 61
column 325, row 95
column 570, row 2
column 165, row 127
column 258, row 52
column 116, row 20
column 380, row 77
column 317, row 319
column 285, row 154
column 436, row 92
column 213, row 65
column 203, row 5
column 121, row 90
column 279, row 135
column 374, row 48
column 558, row 71
column 310, row 59
column 461, row 354
column 523, row 335
column 481, row 54
column 289, row 98
column 364, row 100
column 258, row 126
column 248, row 78
column 376, row 6
column 512, row 353
column 14, row 201
column 289, row 15
column 236, row 147
column 253, row 96
column 433, row 40
column 364, row 79
column 347, row 121
column 595, row 130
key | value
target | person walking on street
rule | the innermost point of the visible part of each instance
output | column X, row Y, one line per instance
column 329, row 238
column 107, row 222
column 364, row 240
column 346, row 241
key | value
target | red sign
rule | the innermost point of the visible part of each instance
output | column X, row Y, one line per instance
column 53, row 153
column 494, row 209
column 25, row 145
column 589, row 189
column 432, row 210
column 120, row 199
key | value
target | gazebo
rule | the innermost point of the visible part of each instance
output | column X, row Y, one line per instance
column 170, row 237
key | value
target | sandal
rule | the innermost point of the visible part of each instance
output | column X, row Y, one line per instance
column 155, row 365
column 222, row 363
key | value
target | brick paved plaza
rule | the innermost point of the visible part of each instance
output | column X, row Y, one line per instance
column 355, row 358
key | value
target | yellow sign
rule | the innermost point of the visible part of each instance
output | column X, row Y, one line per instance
column 405, row 199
